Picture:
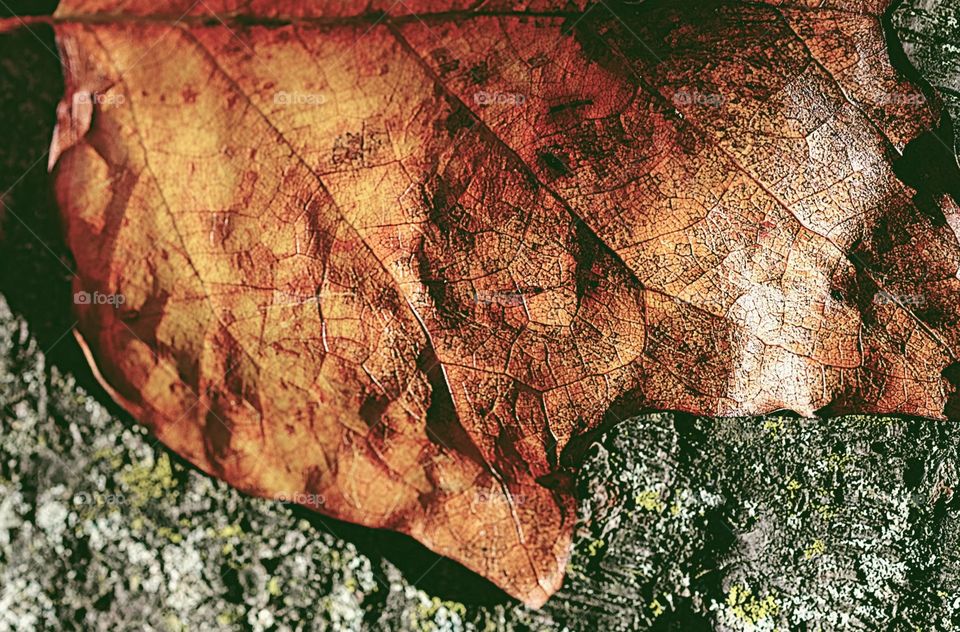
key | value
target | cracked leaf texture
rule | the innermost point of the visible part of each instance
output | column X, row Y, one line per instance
column 390, row 265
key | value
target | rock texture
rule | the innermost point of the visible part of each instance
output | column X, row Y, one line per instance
column 929, row 31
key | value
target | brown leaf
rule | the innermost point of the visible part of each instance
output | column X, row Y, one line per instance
column 389, row 266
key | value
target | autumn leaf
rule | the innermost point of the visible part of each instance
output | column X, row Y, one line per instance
column 395, row 265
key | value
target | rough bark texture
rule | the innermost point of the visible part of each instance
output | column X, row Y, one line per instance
column 929, row 31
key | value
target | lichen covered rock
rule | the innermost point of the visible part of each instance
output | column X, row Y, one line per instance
column 763, row 524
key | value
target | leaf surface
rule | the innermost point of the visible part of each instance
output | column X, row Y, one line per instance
column 392, row 265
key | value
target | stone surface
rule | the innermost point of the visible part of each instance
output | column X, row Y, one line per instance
column 929, row 31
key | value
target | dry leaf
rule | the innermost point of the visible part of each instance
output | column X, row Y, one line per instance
column 389, row 266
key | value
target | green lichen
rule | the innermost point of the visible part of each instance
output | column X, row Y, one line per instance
column 649, row 500
column 749, row 608
column 145, row 482
column 817, row 547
